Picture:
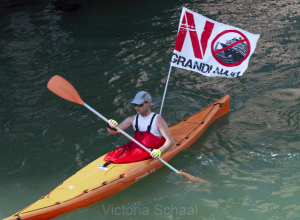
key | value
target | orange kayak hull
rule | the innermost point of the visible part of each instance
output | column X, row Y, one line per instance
column 92, row 184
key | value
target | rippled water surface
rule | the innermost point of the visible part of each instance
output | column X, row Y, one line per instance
column 109, row 50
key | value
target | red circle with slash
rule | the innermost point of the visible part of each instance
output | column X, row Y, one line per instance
column 232, row 45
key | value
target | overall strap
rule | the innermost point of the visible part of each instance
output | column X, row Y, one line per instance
column 136, row 124
column 149, row 126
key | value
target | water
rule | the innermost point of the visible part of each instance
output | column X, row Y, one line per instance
column 109, row 51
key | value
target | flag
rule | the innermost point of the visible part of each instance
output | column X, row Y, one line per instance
column 212, row 48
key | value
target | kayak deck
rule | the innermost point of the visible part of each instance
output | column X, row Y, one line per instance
column 92, row 184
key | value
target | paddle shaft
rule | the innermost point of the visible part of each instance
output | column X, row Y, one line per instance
column 128, row 136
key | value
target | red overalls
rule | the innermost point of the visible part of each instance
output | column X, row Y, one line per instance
column 131, row 152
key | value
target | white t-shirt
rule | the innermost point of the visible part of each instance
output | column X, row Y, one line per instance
column 144, row 122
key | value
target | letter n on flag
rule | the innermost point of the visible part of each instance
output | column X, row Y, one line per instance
column 212, row 48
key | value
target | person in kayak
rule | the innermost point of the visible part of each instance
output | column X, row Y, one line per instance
column 150, row 129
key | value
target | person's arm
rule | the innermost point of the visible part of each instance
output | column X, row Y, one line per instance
column 164, row 130
column 125, row 124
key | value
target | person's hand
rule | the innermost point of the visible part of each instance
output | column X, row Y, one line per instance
column 112, row 124
column 155, row 153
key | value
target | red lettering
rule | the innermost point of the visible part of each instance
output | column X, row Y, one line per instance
column 181, row 35
column 193, row 35
column 188, row 23
column 208, row 28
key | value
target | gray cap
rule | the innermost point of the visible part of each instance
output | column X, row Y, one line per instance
column 141, row 96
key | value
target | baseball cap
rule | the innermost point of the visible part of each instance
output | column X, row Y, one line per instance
column 140, row 97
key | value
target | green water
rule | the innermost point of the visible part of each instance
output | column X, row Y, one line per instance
column 111, row 50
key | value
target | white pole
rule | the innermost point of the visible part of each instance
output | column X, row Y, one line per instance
column 162, row 104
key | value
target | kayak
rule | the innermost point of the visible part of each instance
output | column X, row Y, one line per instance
column 100, row 180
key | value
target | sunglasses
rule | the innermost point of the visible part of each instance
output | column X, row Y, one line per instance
column 138, row 105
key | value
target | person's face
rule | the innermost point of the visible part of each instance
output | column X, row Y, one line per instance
column 142, row 108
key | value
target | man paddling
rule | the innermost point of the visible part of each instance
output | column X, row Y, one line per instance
column 151, row 130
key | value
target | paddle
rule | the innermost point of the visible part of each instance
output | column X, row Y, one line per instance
column 65, row 90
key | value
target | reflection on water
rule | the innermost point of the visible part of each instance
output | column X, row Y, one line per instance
column 109, row 50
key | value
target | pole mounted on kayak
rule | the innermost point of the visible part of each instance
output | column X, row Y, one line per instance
column 162, row 103
column 65, row 90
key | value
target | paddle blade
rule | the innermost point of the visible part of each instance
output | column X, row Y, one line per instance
column 192, row 178
column 64, row 89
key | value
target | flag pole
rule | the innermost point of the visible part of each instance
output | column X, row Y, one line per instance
column 162, row 104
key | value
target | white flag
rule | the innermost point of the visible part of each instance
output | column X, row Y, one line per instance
column 212, row 48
